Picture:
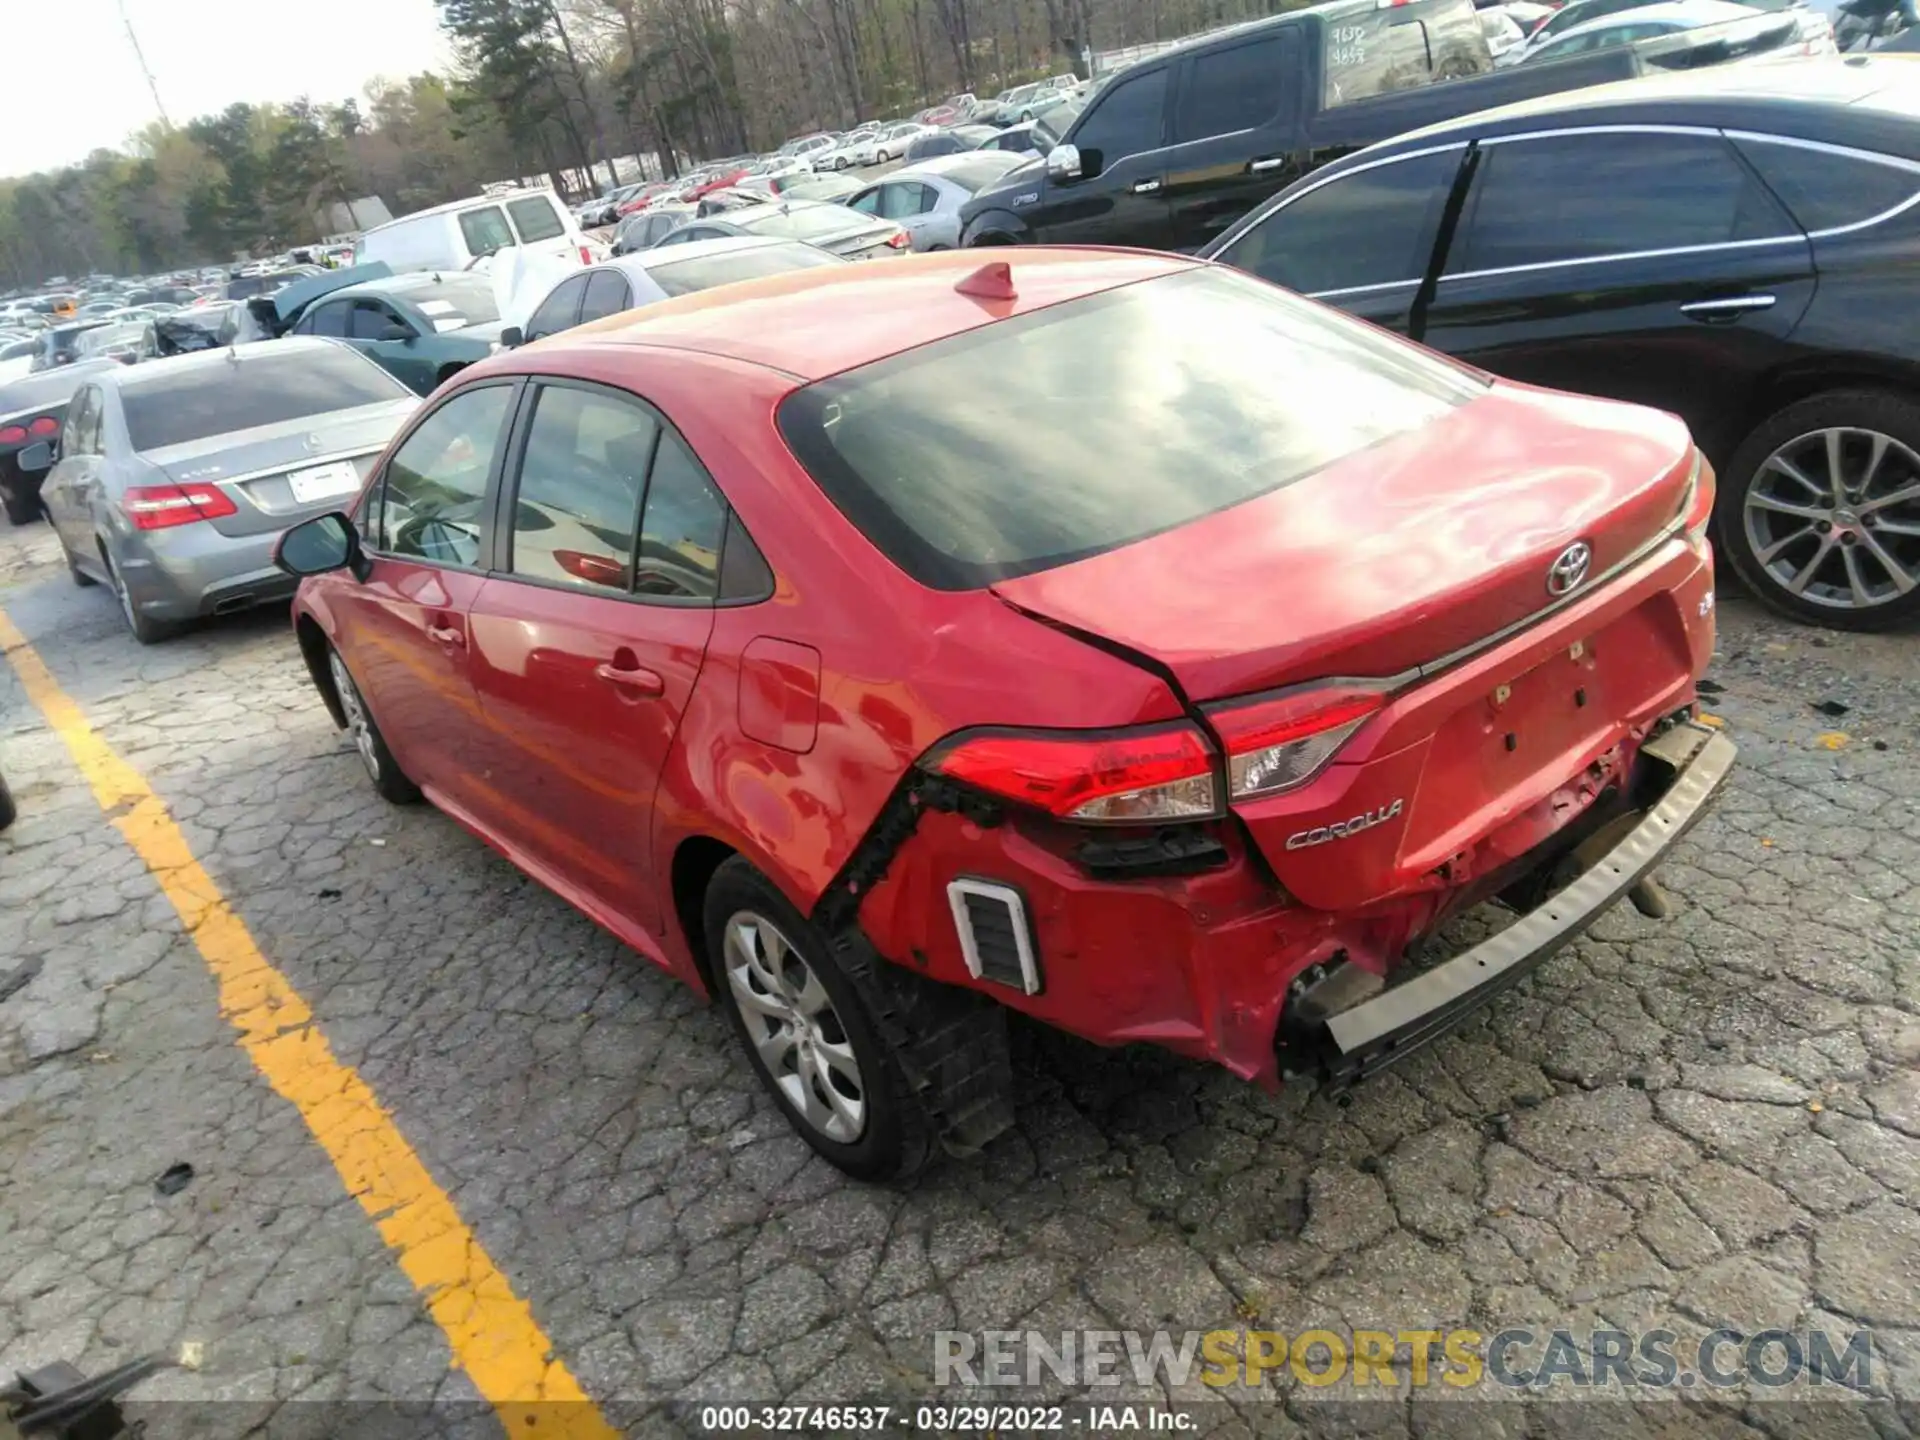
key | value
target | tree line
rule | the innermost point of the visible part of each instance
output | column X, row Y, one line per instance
column 554, row 88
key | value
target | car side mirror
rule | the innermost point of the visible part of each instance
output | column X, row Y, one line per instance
column 326, row 542
column 1063, row 162
column 512, row 338
column 36, row 457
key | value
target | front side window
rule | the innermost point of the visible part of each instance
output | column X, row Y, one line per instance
column 485, row 230
column 1612, row 194
column 1824, row 190
column 1231, row 90
column 371, row 320
column 988, row 455
column 1370, row 227
column 906, row 199
column 581, row 479
column 869, row 203
column 1127, row 120
column 435, row 486
column 560, row 310
column 80, row 434
column 536, row 218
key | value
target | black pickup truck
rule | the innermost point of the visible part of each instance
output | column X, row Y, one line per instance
column 1174, row 148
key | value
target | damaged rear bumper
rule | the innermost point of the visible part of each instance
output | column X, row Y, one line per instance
column 1379, row 1032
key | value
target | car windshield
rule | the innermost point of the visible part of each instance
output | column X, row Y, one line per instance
column 800, row 223
column 456, row 301
column 992, row 454
column 703, row 272
column 174, row 405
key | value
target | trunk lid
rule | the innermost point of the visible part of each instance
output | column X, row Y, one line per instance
column 327, row 455
column 1388, row 559
column 1382, row 565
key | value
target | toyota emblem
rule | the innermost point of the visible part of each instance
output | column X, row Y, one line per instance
column 1569, row 568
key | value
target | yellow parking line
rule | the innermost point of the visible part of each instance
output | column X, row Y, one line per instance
column 492, row 1331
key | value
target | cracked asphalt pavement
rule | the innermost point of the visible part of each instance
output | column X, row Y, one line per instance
column 1711, row 1120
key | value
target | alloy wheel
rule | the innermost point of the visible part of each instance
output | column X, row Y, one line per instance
column 1833, row 517
column 792, row 1023
column 358, row 727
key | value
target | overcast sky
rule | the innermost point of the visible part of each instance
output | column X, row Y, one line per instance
column 85, row 90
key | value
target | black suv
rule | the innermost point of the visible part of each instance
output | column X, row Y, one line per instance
column 1736, row 245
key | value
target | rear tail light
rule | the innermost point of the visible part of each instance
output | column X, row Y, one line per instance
column 45, row 425
column 158, row 507
column 1283, row 741
column 899, row 240
column 13, row 435
column 586, row 256
column 1149, row 775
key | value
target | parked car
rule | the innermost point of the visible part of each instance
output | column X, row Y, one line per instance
column 889, row 143
column 831, row 227
column 175, row 479
column 1725, row 244
column 840, row 157
column 1259, row 105
column 1019, row 105
column 649, row 227
column 1558, row 22
column 820, row 187
column 127, row 341
column 1740, row 31
column 635, row 280
column 260, row 282
column 953, row 141
column 805, row 147
column 1505, row 35
column 454, row 235
column 604, row 209
column 1025, row 728
column 32, row 409
column 421, row 327
column 60, row 344
column 1025, row 140
column 925, row 199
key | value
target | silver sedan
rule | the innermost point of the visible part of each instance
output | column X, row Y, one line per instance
column 925, row 198
column 175, row 478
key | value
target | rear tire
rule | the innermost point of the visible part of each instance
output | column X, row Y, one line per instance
column 21, row 509
column 389, row 780
column 807, row 1031
column 144, row 628
column 8, row 812
column 1820, row 545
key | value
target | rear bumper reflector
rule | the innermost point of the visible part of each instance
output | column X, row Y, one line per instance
column 995, row 938
column 1401, row 1020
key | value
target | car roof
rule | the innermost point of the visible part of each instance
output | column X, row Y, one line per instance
column 819, row 322
column 1863, row 100
column 1686, row 12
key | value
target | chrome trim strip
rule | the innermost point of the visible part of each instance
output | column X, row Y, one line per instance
column 1794, row 239
column 1565, row 130
column 957, row 891
column 1361, row 289
column 307, row 464
column 1845, row 152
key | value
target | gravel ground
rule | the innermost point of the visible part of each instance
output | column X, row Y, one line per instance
column 1712, row 1120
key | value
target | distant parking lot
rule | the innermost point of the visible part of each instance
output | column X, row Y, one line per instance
column 1715, row 1121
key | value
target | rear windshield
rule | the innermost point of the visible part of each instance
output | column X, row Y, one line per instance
column 535, row 218
column 703, row 272
column 1080, row 428
column 267, row 386
column 803, row 224
column 1372, row 51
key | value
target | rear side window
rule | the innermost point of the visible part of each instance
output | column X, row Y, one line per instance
column 265, row 387
column 1229, row 90
column 703, row 272
column 988, row 455
column 1127, row 120
column 1376, row 51
column 682, row 528
column 581, row 479
column 485, row 230
column 431, row 496
column 1610, row 194
column 536, row 219
column 1824, row 190
column 1371, row 227
column 607, row 294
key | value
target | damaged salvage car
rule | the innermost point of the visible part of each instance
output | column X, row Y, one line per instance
column 1105, row 636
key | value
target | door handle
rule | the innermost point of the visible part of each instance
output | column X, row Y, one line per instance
column 1145, row 187
column 446, row 634
column 631, row 677
column 1729, row 307
column 1272, row 162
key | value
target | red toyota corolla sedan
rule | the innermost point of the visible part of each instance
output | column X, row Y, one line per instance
column 1107, row 636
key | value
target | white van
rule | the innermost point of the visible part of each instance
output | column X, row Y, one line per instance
column 454, row 235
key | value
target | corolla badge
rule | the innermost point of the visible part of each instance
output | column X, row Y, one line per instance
column 1028, row 198
column 1342, row 829
column 1569, row 568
